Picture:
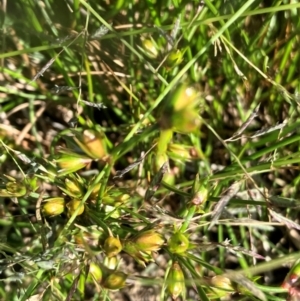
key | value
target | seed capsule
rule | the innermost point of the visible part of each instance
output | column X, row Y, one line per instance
column 141, row 257
column 150, row 48
column 149, row 241
column 72, row 207
column 54, row 206
column 70, row 162
column 175, row 281
column 112, row 246
column 178, row 243
column 92, row 143
column 115, row 281
column 95, row 273
column 222, row 282
column 73, row 188
column 174, row 58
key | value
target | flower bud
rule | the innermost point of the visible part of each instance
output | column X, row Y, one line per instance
column 186, row 122
column 74, row 188
column 200, row 196
column 185, row 97
column 199, row 192
column 95, row 273
column 175, row 281
column 150, row 48
column 115, row 280
column 72, row 207
column 115, row 197
column 141, row 257
column 95, row 192
column 181, row 110
column 112, row 246
column 149, row 241
column 174, row 58
column 92, row 143
column 221, row 282
column 111, row 262
column 71, row 162
column 53, row 206
column 179, row 151
column 15, row 189
column 178, row 243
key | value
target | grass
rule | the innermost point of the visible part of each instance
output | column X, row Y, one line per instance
column 148, row 149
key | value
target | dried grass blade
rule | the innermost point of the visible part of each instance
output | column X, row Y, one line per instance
column 156, row 181
column 100, row 32
column 59, row 89
column 208, row 246
column 248, row 284
column 232, row 191
column 176, row 28
column 289, row 223
column 46, row 67
column 243, row 127
column 61, row 41
column 269, row 130
column 22, row 157
column 169, row 38
column 94, row 105
column 240, row 249
column 121, row 173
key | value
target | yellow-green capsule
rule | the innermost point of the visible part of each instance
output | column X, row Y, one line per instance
column 92, row 143
column 179, row 151
column 175, row 281
column 174, row 58
column 53, row 206
column 72, row 207
column 95, row 191
column 224, row 283
column 111, row 262
column 16, row 189
column 181, row 111
column 115, row 280
column 95, row 273
column 141, row 257
column 70, row 162
column 149, row 241
column 178, row 243
column 112, row 246
column 73, row 188
column 150, row 48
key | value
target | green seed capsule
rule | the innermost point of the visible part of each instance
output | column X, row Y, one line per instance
column 70, row 162
column 92, row 143
column 115, row 281
column 150, row 48
column 112, row 246
column 149, row 241
column 174, row 58
column 73, row 188
column 54, row 206
column 222, row 282
column 72, row 207
column 95, row 273
column 175, row 281
column 178, row 243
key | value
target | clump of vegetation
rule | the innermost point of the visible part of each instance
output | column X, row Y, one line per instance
column 149, row 149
